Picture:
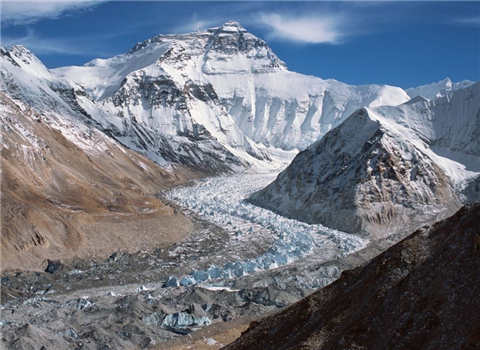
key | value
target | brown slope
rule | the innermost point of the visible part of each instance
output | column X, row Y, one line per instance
column 422, row 293
column 61, row 200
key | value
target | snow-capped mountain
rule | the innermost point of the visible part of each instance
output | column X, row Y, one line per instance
column 438, row 89
column 449, row 125
column 224, row 80
column 26, row 79
column 387, row 169
column 213, row 99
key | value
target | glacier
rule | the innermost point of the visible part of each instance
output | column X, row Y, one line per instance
column 222, row 201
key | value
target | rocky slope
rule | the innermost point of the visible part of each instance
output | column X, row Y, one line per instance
column 420, row 293
column 386, row 170
column 70, row 191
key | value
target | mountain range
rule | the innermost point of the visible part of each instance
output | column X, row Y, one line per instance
column 176, row 107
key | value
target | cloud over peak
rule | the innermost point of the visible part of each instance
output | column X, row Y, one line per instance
column 305, row 29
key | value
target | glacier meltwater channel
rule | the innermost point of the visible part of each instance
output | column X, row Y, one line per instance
column 222, row 201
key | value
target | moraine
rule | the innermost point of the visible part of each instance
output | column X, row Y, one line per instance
column 260, row 262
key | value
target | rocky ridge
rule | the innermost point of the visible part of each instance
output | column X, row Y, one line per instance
column 420, row 293
column 68, row 191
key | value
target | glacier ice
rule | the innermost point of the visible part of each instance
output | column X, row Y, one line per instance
column 187, row 281
column 183, row 319
column 221, row 200
column 172, row 281
column 153, row 320
column 214, row 272
column 79, row 303
column 200, row 276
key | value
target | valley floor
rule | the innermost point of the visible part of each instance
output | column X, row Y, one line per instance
column 240, row 262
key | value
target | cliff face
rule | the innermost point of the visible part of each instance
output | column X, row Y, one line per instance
column 422, row 293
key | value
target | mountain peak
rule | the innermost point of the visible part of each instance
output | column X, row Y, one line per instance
column 447, row 80
column 447, row 84
column 416, row 99
column 19, row 48
column 438, row 89
column 232, row 49
column 21, row 51
column 232, row 26
column 19, row 55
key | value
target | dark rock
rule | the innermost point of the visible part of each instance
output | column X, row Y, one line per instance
column 145, row 343
column 181, row 331
column 53, row 266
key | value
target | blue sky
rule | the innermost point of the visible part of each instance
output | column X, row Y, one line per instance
column 398, row 43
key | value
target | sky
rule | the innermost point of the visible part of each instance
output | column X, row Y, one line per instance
column 402, row 43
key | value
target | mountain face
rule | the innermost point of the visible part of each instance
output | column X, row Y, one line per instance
column 361, row 177
column 226, row 80
column 420, row 293
column 387, row 169
column 212, row 100
column 26, row 79
column 448, row 125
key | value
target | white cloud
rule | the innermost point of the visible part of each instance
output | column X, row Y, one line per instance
column 306, row 29
column 195, row 24
column 27, row 12
column 70, row 46
column 467, row 21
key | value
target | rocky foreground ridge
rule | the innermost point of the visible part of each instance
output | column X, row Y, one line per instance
column 422, row 293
